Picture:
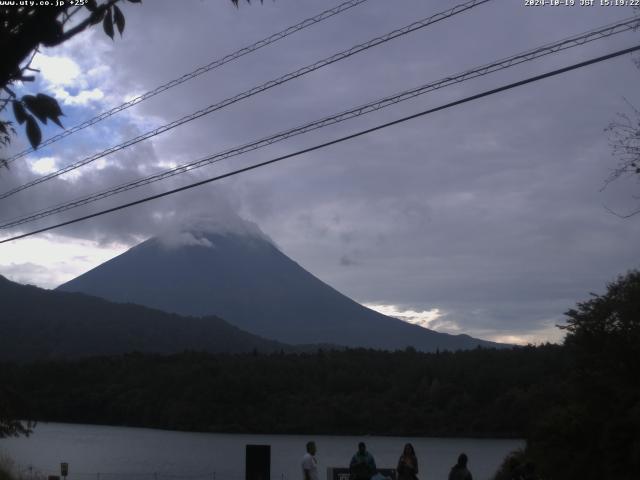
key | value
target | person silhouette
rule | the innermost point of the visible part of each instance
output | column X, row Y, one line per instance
column 362, row 465
column 460, row 471
column 309, row 463
column 408, row 464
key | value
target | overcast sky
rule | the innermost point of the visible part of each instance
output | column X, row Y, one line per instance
column 488, row 218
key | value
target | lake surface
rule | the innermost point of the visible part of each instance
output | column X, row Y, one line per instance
column 110, row 453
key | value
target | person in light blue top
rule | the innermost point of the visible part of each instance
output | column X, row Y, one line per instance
column 362, row 466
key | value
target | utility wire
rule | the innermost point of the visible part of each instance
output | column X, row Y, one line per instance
column 335, row 141
column 255, row 90
column 195, row 73
column 569, row 42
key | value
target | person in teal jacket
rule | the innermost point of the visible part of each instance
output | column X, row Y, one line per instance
column 362, row 466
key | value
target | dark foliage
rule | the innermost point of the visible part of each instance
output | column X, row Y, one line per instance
column 9, row 426
column 470, row 393
column 594, row 434
column 624, row 139
column 516, row 466
column 44, row 324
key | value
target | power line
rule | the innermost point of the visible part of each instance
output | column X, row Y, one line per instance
column 333, row 142
column 569, row 42
column 195, row 73
column 255, row 90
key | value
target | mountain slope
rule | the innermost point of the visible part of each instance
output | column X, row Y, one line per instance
column 40, row 324
column 246, row 280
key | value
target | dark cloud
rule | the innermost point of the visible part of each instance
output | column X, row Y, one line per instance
column 347, row 261
column 491, row 212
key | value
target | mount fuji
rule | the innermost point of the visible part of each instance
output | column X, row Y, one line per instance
column 241, row 276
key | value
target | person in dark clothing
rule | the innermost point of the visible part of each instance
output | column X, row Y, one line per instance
column 459, row 471
column 408, row 464
column 362, row 466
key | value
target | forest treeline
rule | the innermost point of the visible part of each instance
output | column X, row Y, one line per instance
column 467, row 393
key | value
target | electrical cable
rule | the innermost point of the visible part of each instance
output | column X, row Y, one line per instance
column 569, row 42
column 195, row 73
column 332, row 142
column 255, row 90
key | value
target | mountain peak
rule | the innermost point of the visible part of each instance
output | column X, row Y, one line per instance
column 201, row 230
column 234, row 271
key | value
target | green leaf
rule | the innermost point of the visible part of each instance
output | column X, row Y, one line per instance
column 19, row 112
column 44, row 107
column 118, row 18
column 107, row 24
column 50, row 104
column 36, row 107
column 33, row 132
column 57, row 121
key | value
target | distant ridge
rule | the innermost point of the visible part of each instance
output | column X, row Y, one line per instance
column 242, row 277
column 38, row 324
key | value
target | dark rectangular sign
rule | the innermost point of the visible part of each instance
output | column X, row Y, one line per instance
column 258, row 462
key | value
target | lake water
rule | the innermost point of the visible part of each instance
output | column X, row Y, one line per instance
column 110, row 453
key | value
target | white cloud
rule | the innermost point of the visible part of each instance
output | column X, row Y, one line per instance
column 84, row 97
column 44, row 165
column 99, row 71
column 26, row 273
column 71, row 176
column 130, row 96
column 184, row 239
column 50, row 260
column 436, row 319
column 423, row 318
column 219, row 220
column 57, row 70
column 550, row 333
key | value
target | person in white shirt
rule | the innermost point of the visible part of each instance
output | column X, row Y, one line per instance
column 309, row 463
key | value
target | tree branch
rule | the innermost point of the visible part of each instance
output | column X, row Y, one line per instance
column 619, row 215
column 82, row 26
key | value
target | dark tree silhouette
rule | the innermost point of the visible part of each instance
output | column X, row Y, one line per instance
column 592, row 433
column 9, row 426
column 624, row 138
